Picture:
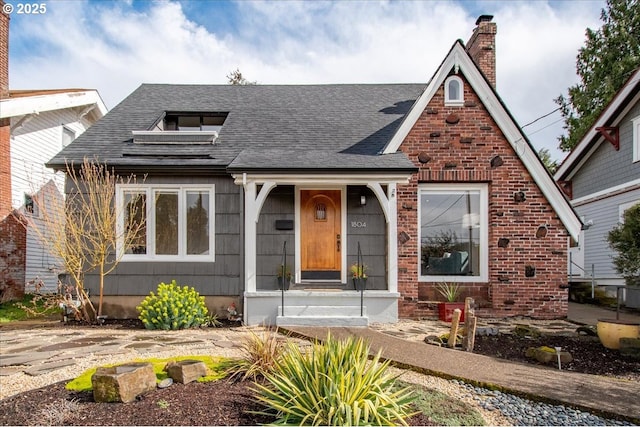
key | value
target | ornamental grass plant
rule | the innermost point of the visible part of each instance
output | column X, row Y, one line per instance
column 261, row 354
column 173, row 307
column 333, row 383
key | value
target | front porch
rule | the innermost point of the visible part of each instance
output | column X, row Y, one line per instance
column 309, row 229
column 321, row 307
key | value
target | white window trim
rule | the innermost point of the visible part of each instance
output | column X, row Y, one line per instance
column 484, row 232
column 150, row 190
column 636, row 138
column 447, row 99
column 622, row 208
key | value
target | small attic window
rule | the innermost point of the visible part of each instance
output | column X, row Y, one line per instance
column 453, row 91
column 185, row 128
column 193, row 122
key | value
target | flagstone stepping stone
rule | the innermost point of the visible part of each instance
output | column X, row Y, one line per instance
column 9, row 350
column 26, row 358
column 186, row 371
column 48, row 367
column 6, row 371
column 188, row 342
column 142, row 345
column 224, row 344
column 122, row 383
column 65, row 346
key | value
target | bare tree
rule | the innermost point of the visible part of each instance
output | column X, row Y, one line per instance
column 82, row 230
column 236, row 78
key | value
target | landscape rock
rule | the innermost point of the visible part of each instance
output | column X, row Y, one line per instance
column 122, row 383
column 185, row 371
column 548, row 355
column 526, row 331
column 630, row 347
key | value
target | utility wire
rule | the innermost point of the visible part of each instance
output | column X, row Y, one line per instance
column 541, row 117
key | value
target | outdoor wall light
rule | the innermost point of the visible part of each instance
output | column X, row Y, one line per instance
column 363, row 200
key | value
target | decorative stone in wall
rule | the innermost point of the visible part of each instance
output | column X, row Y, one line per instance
column 407, row 206
column 519, row 196
column 450, row 165
column 529, row 271
column 466, row 140
column 470, row 103
column 542, row 231
column 403, row 237
column 423, row 157
column 434, row 134
column 485, row 128
column 431, row 111
column 517, row 213
column 496, row 162
column 503, row 242
column 503, row 278
column 452, row 119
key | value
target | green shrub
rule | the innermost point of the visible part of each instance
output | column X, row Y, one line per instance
column 333, row 384
column 174, row 307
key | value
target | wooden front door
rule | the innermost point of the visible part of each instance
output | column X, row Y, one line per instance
column 320, row 234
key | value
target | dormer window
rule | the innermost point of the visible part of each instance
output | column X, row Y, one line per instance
column 186, row 128
column 453, row 92
column 193, row 122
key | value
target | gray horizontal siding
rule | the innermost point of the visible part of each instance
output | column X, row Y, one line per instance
column 372, row 237
column 607, row 167
column 278, row 206
column 604, row 214
column 219, row 278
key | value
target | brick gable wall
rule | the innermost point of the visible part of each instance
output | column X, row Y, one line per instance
column 475, row 150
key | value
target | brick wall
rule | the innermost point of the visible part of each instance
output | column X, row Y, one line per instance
column 482, row 47
column 475, row 150
column 5, row 137
column 13, row 251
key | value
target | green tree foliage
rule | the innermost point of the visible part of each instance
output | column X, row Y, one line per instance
column 548, row 162
column 236, row 78
column 603, row 64
column 625, row 240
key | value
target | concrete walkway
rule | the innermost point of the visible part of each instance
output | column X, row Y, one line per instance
column 598, row 394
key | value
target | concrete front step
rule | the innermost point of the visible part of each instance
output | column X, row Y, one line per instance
column 319, row 315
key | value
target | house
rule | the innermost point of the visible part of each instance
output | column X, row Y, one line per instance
column 421, row 183
column 34, row 126
column 601, row 176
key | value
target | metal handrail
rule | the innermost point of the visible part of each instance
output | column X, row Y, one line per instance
column 360, row 279
column 284, row 273
column 592, row 275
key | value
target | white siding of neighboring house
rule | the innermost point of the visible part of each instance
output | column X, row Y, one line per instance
column 32, row 145
column 605, row 214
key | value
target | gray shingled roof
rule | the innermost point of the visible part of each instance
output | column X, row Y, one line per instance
column 268, row 127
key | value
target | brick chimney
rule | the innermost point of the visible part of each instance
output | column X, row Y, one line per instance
column 482, row 47
column 5, row 129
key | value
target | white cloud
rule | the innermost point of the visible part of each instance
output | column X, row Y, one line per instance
column 116, row 46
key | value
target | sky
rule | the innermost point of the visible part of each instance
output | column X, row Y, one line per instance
column 114, row 46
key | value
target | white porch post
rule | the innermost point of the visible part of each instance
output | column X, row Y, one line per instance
column 390, row 209
column 392, row 249
column 250, row 229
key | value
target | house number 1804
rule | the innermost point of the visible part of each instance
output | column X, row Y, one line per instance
column 358, row 224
